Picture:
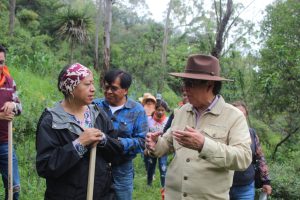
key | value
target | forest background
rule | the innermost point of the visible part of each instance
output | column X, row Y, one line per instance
column 42, row 36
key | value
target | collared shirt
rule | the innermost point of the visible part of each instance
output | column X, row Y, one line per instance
column 130, row 122
column 198, row 114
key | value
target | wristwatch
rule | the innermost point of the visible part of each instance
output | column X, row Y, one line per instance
column 81, row 150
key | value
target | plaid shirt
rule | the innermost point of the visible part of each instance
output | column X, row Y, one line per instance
column 131, row 124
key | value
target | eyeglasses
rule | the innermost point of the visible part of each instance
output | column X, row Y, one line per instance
column 111, row 88
column 2, row 62
column 192, row 83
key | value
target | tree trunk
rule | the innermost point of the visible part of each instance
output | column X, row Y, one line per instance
column 222, row 23
column 96, row 53
column 12, row 8
column 106, row 36
column 164, row 49
column 72, row 47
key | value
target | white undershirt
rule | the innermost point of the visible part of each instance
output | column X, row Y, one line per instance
column 115, row 108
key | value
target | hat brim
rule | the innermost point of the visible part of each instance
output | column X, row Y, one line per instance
column 148, row 98
column 199, row 76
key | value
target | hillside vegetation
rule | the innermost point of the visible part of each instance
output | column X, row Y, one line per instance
column 40, row 42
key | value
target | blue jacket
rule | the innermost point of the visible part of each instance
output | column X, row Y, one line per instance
column 131, row 125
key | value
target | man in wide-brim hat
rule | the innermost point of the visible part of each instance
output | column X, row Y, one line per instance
column 210, row 138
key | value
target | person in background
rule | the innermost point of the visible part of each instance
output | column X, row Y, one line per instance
column 148, row 101
column 184, row 100
column 184, row 97
column 156, row 124
column 10, row 106
column 130, row 122
column 243, row 181
column 65, row 135
column 210, row 137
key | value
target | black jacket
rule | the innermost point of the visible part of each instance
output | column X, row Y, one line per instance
column 58, row 162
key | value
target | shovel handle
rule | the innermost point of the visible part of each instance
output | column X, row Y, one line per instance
column 10, row 161
column 90, row 187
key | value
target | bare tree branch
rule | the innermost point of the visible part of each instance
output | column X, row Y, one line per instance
column 220, row 32
column 282, row 141
column 234, row 42
column 237, row 17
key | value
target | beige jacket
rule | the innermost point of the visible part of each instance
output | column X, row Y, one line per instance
column 207, row 174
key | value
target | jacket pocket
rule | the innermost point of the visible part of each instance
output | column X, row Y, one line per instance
column 216, row 133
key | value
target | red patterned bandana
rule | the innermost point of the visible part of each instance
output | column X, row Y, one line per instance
column 72, row 77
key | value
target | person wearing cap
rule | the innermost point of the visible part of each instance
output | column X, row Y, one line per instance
column 130, row 122
column 64, row 137
column 210, row 137
column 148, row 101
column 10, row 106
column 184, row 100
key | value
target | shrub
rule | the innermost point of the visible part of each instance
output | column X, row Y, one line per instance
column 285, row 179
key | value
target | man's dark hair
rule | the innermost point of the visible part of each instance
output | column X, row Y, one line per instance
column 217, row 87
column 112, row 75
column 2, row 49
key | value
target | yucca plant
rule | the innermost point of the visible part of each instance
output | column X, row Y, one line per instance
column 73, row 26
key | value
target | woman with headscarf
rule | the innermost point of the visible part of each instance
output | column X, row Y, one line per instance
column 65, row 135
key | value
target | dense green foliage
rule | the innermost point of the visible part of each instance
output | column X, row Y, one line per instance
column 268, row 80
column 278, row 89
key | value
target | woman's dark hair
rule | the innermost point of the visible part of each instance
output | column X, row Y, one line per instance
column 241, row 104
column 162, row 103
column 60, row 76
column 112, row 75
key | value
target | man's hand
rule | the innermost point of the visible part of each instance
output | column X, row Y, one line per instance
column 151, row 139
column 7, row 117
column 90, row 136
column 189, row 138
column 8, row 107
column 267, row 189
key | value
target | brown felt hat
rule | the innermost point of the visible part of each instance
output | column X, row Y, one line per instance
column 202, row 67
